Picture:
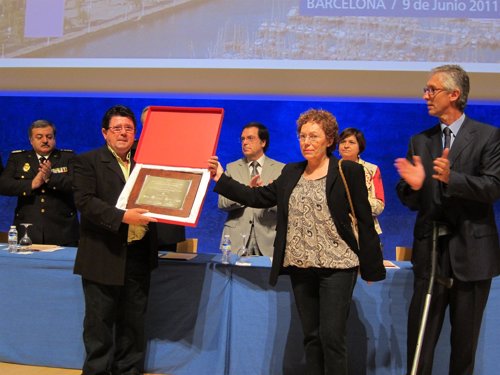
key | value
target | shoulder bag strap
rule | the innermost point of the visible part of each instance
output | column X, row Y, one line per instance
column 348, row 193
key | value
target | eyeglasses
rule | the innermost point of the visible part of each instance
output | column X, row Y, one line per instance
column 250, row 139
column 431, row 91
column 119, row 129
column 312, row 138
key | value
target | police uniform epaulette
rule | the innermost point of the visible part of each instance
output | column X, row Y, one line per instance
column 17, row 151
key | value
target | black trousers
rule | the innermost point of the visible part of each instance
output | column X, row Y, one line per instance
column 323, row 297
column 113, row 328
column 466, row 300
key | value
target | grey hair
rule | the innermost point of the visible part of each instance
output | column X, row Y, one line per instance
column 455, row 78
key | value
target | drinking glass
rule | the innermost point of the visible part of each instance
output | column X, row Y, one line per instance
column 25, row 242
column 243, row 250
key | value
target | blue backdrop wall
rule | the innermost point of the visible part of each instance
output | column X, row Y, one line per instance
column 387, row 125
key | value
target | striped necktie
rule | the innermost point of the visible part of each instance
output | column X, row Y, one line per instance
column 447, row 137
column 254, row 166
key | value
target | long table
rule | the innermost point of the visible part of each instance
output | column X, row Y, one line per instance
column 209, row 318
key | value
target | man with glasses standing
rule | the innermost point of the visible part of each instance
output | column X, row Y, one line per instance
column 117, row 251
column 451, row 175
column 259, row 225
column 40, row 179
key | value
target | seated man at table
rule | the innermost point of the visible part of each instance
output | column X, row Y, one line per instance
column 117, row 251
column 40, row 178
column 257, row 224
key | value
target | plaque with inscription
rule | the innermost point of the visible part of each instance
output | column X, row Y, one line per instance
column 170, row 178
column 165, row 192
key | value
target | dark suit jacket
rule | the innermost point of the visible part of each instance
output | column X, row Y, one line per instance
column 50, row 208
column 97, row 183
column 169, row 235
column 278, row 193
column 465, row 204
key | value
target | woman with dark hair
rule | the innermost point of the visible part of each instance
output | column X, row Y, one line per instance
column 315, row 243
column 352, row 143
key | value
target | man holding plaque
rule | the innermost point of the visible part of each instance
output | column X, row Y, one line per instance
column 257, row 224
column 117, row 251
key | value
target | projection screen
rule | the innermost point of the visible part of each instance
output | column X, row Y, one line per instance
column 296, row 47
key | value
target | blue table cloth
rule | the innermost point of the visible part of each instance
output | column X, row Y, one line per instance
column 209, row 318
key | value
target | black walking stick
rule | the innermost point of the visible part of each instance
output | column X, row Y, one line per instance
column 438, row 230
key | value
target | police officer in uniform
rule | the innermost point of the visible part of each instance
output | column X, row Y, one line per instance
column 40, row 178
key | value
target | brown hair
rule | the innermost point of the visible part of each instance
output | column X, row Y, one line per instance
column 326, row 120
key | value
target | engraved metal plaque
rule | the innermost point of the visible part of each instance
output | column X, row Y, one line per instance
column 165, row 192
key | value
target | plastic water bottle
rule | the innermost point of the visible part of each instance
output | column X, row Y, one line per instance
column 12, row 239
column 226, row 249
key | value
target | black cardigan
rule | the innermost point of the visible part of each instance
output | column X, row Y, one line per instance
column 278, row 194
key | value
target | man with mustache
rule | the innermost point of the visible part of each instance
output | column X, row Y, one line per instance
column 40, row 178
